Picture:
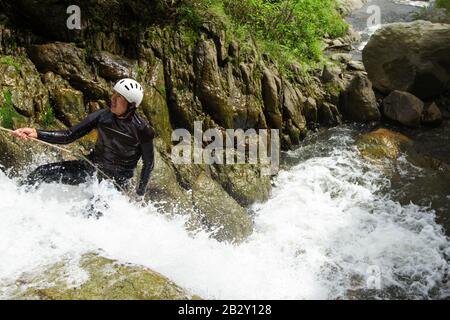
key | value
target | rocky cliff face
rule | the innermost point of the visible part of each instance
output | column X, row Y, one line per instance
column 203, row 75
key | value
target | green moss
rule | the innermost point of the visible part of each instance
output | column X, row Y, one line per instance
column 190, row 36
column 140, row 72
column 162, row 89
column 47, row 116
column 107, row 279
column 333, row 89
column 9, row 60
column 7, row 111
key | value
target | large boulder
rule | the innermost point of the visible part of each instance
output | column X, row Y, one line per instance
column 358, row 101
column 404, row 108
column 412, row 57
column 106, row 279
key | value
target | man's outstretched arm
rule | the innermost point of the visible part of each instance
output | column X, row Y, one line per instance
column 73, row 133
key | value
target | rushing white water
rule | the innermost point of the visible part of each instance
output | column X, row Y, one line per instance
column 327, row 224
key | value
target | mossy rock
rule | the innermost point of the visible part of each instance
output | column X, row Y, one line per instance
column 163, row 187
column 244, row 182
column 382, row 144
column 69, row 104
column 227, row 220
column 106, row 279
column 19, row 76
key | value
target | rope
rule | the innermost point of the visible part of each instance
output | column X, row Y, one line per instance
column 80, row 155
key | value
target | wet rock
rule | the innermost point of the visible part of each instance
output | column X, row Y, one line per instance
column 382, row 144
column 272, row 108
column 404, row 108
column 244, row 182
column 220, row 212
column 113, row 67
column 70, row 104
column 432, row 115
column 310, row 110
column 331, row 73
column 293, row 106
column 341, row 57
column 210, row 89
column 329, row 114
column 412, row 57
column 104, row 279
column 358, row 102
column 19, row 76
column 356, row 65
column 13, row 153
column 154, row 104
column 164, row 184
column 68, row 61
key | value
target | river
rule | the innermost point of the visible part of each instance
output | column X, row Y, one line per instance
column 335, row 227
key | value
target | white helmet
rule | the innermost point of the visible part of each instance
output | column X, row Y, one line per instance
column 130, row 89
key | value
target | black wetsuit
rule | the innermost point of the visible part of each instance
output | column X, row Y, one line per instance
column 120, row 145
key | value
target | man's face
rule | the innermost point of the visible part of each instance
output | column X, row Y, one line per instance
column 119, row 104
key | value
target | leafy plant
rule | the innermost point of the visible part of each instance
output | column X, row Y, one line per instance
column 47, row 115
column 443, row 4
column 7, row 111
column 140, row 71
column 295, row 25
column 9, row 60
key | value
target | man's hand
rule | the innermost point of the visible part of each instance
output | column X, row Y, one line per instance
column 25, row 133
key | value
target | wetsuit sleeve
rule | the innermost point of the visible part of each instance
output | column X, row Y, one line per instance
column 73, row 133
column 148, row 157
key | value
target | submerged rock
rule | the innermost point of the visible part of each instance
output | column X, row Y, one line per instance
column 102, row 279
column 381, row 144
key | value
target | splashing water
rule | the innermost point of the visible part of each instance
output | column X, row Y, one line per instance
column 328, row 223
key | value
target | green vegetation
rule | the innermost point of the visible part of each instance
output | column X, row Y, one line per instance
column 294, row 25
column 7, row 111
column 288, row 30
column 9, row 60
column 162, row 89
column 47, row 116
column 443, row 4
column 140, row 72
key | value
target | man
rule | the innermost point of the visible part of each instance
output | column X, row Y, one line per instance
column 123, row 137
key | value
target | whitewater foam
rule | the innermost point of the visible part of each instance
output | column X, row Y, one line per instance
column 328, row 222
